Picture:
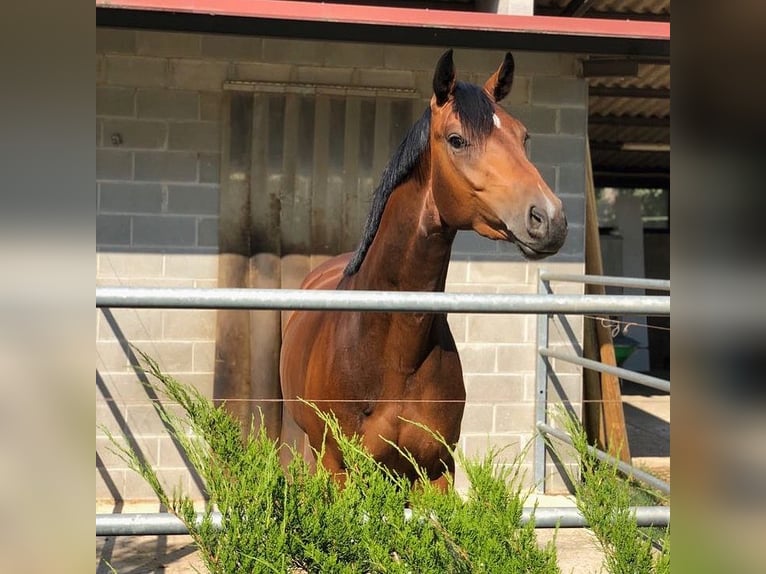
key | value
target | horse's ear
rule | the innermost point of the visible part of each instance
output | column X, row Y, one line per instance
column 444, row 78
column 499, row 83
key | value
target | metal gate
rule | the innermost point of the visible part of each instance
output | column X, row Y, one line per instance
column 542, row 304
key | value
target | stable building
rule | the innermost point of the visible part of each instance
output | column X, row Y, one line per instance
column 238, row 145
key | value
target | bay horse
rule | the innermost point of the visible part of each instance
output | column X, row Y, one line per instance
column 463, row 165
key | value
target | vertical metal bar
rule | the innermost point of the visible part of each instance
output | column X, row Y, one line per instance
column 541, row 392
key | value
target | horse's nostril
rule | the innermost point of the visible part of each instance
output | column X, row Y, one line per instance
column 537, row 221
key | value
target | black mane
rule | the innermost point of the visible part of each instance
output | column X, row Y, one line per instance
column 472, row 106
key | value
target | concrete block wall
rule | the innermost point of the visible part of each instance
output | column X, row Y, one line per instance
column 182, row 341
column 498, row 354
column 158, row 141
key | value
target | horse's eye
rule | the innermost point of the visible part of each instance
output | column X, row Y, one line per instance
column 456, row 141
column 526, row 143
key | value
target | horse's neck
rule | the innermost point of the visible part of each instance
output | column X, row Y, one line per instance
column 410, row 252
column 411, row 249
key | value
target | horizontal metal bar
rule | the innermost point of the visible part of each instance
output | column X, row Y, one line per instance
column 629, row 92
column 305, row 88
column 640, row 378
column 164, row 523
column 633, row 121
column 570, row 517
column 601, row 68
column 385, row 301
column 627, row 469
column 146, row 524
column 610, row 281
column 606, row 175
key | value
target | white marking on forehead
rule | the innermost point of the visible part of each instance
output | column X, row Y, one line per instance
column 496, row 120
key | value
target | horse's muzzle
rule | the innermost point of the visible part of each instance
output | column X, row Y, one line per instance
column 547, row 232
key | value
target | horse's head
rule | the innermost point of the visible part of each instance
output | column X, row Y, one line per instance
column 482, row 178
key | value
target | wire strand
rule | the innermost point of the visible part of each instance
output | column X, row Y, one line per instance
column 615, row 323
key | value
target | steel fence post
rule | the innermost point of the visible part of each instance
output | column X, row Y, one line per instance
column 541, row 391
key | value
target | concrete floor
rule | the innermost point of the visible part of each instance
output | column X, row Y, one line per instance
column 647, row 416
column 147, row 554
column 577, row 550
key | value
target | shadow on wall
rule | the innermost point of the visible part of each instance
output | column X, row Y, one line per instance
column 115, row 416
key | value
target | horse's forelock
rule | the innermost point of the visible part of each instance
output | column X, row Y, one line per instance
column 474, row 108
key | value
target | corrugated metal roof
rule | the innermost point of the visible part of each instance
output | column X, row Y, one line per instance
column 598, row 8
column 626, row 113
column 638, row 6
column 642, row 107
column 649, row 76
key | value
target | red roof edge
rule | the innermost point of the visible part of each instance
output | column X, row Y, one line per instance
column 408, row 17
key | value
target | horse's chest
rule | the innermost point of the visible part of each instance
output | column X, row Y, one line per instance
column 413, row 428
column 407, row 351
column 393, row 378
column 387, row 380
column 432, row 397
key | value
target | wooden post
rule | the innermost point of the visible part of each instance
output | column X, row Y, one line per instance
column 593, row 412
column 613, row 431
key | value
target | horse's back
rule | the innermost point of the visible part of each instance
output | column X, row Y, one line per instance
column 324, row 276
column 328, row 274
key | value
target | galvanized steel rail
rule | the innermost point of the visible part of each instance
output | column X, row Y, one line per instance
column 627, row 469
column 541, row 385
column 147, row 524
column 165, row 523
column 386, row 301
column 627, row 374
column 608, row 281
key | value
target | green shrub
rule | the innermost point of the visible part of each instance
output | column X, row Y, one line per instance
column 294, row 519
column 604, row 498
